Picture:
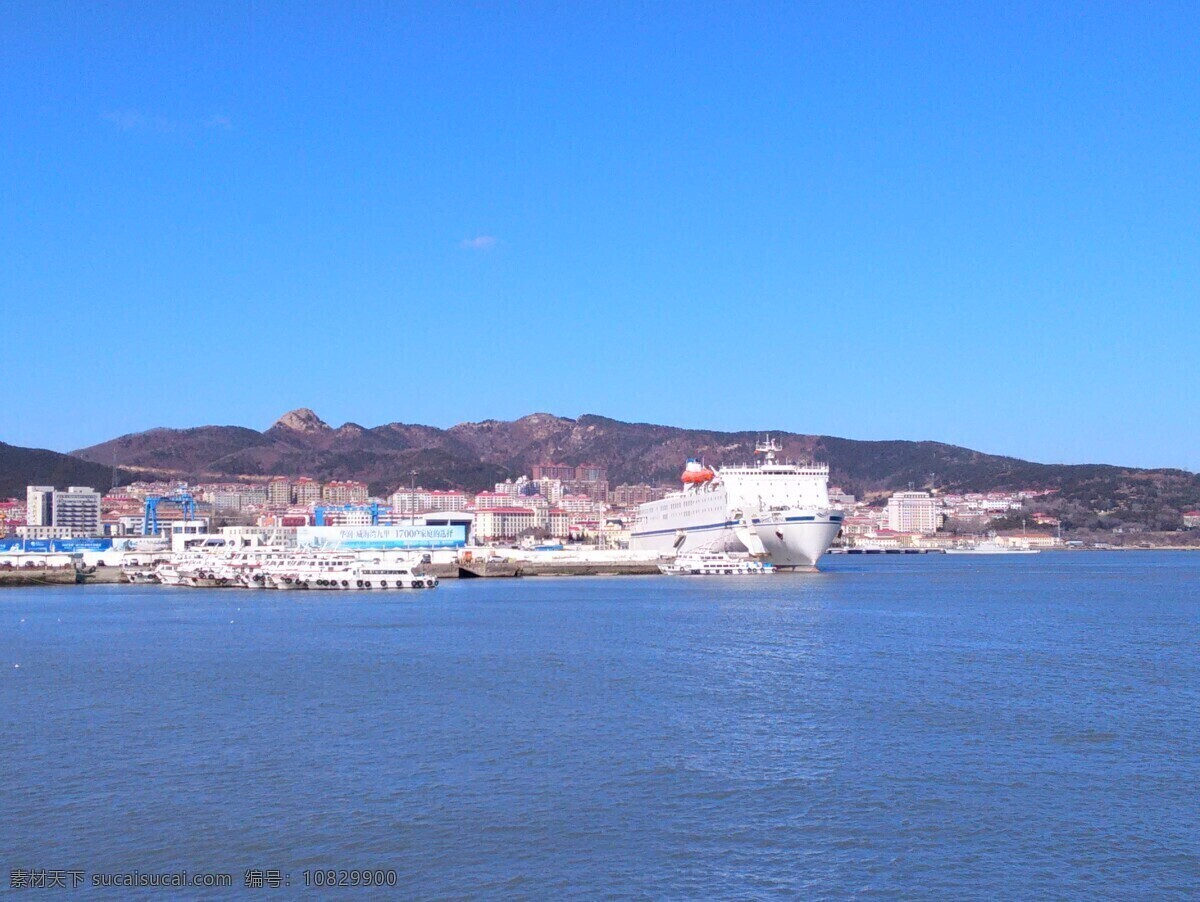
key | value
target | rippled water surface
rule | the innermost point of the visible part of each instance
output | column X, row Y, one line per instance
column 1007, row 727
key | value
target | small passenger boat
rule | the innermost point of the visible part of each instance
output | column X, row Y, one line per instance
column 715, row 564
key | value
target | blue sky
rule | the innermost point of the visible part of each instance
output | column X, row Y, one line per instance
column 963, row 222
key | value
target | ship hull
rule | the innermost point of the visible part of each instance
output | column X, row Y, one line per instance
column 715, row 537
column 797, row 539
column 794, row 539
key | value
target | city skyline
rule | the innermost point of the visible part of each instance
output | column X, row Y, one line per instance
column 972, row 226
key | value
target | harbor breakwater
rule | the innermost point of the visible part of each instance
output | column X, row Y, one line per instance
column 40, row 576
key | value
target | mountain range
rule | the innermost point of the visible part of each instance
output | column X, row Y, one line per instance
column 473, row 456
column 21, row 467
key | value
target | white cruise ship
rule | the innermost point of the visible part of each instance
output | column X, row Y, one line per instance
column 778, row 511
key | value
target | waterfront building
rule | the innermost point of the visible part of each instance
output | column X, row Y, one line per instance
column 558, row 523
column 859, row 526
column 1191, row 520
column 888, row 538
column 604, row 531
column 47, row 532
column 78, row 509
column 909, row 512
column 1023, row 539
column 492, row 523
column 38, row 505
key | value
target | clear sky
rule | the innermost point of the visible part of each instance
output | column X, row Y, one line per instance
column 973, row 223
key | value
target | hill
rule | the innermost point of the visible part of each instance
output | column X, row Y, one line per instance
column 472, row 456
column 21, row 467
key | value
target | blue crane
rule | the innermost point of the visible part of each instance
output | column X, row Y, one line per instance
column 150, row 521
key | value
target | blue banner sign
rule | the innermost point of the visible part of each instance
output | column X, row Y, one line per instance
column 48, row 546
column 381, row 537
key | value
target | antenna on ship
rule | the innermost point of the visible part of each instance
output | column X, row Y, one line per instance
column 767, row 449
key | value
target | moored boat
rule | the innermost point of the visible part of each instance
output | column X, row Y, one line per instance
column 779, row 511
column 716, row 564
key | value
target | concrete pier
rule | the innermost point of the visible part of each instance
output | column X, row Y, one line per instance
column 40, row 576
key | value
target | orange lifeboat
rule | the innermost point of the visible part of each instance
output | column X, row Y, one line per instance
column 695, row 473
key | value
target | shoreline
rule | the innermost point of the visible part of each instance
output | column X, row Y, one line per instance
column 100, row 576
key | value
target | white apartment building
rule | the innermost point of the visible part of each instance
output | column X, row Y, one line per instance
column 306, row 491
column 493, row 499
column 409, row 501
column 550, row 489
column 578, row 504
column 78, row 510
column 38, row 505
column 913, row 512
column 226, row 500
column 493, row 523
column 513, row 489
column 348, row 492
column 558, row 523
column 279, row 491
column 254, row 496
column 448, row 501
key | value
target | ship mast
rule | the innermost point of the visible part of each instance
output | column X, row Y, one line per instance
column 767, row 449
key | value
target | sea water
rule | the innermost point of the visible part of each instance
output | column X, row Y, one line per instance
column 1001, row 727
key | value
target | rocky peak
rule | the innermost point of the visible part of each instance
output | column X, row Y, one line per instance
column 301, row 420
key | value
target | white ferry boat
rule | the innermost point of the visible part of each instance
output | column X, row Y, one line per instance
column 707, row 564
column 356, row 575
column 777, row 511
